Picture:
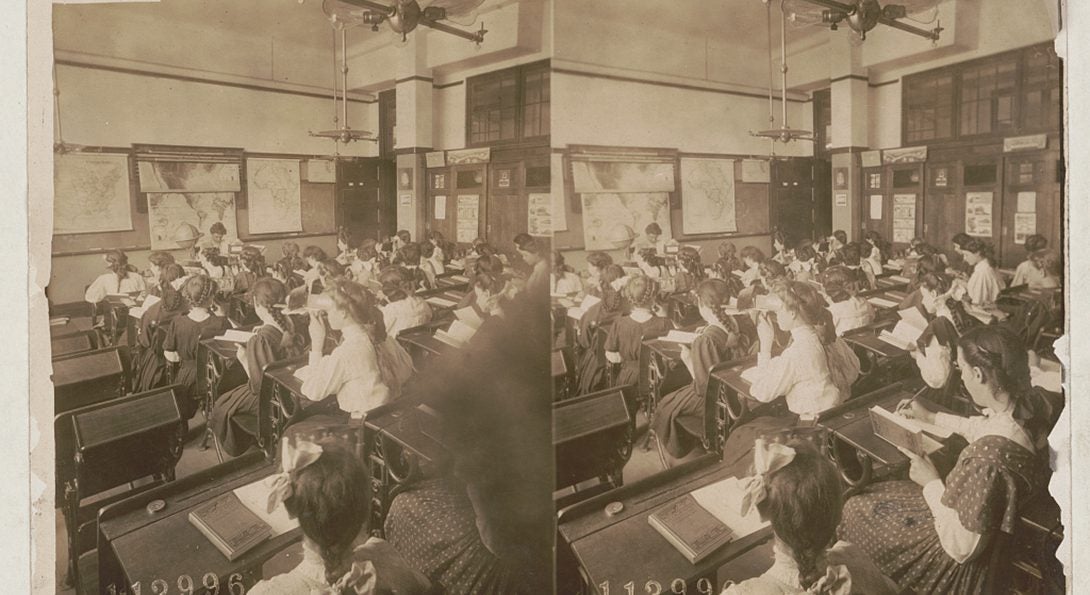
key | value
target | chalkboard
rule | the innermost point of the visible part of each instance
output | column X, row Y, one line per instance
column 751, row 209
column 319, row 218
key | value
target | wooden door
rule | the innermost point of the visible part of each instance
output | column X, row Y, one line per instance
column 441, row 211
column 902, row 219
column 364, row 212
column 471, row 189
column 875, row 182
column 1031, row 204
column 982, row 197
column 793, row 197
column 943, row 210
column 823, row 198
column 507, row 203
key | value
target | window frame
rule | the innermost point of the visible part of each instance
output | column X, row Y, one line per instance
column 520, row 73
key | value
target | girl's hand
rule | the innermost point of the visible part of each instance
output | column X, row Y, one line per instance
column 317, row 330
column 912, row 346
column 240, row 352
column 765, row 332
column 921, row 470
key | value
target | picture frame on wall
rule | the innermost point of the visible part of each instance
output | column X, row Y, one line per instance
column 840, row 178
column 405, row 178
column 940, row 177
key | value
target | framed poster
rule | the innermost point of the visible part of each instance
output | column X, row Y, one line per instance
column 840, row 178
column 978, row 214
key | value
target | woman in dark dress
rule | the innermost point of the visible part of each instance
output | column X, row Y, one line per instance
column 935, row 535
column 152, row 369
column 275, row 339
column 594, row 327
column 626, row 337
column 679, row 419
column 186, row 333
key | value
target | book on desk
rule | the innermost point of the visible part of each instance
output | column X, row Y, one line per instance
column 904, row 433
column 232, row 527
column 907, row 331
column 702, row 521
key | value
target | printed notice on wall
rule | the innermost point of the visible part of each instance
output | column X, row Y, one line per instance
column 540, row 213
column 1027, row 202
column 468, row 217
column 978, row 214
column 440, row 207
column 841, row 199
column 1025, row 224
column 876, row 206
column 904, row 218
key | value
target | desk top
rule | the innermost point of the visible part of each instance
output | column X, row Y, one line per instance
column 869, row 341
column 623, row 548
column 225, row 350
column 75, row 324
column 285, row 376
column 427, row 342
column 853, row 425
column 165, row 545
column 732, row 377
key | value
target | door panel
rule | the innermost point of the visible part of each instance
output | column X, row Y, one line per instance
column 364, row 213
column 439, row 184
column 1034, row 177
column 793, row 197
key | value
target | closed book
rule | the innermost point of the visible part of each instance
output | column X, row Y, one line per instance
column 230, row 525
column 893, row 429
column 690, row 528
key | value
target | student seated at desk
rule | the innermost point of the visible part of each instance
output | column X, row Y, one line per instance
column 365, row 266
column 328, row 271
column 984, row 284
column 488, row 295
column 849, row 311
column 815, row 371
column 806, row 266
column 593, row 365
column 346, row 247
column 929, row 262
column 770, row 273
column 934, row 351
column 690, row 271
column 875, row 251
column 290, row 257
column 797, row 490
column 213, row 262
column 596, row 264
column 369, row 367
column 283, row 272
column 728, row 261
column 432, row 266
column 936, row 536
column 186, row 333
column 626, row 336
column 122, row 278
column 534, row 253
column 274, row 339
column 156, row 261
column 850, row 259
column 562, row 279
column 404, row 309
column 252, row 263
column 834, row 247
column 150, row 366
column 752, row 257
column 1041, row 270
column 1028, row 271
column 679, row 418
column 312, row 255
column 782, row 250
column 329, row 491
column 423, row 278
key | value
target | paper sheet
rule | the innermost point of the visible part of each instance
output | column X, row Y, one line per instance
column 723, row 499
column 255, row 496
column 235, row 336
column 676, row 336
column 1027, row 202
column 440, row 207
column 876, row 206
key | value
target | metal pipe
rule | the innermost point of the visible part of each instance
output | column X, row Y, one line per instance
column 771, row 77
column 476, row 36
column 933, row 35
column 376, row 6
column 344, row 71
column 783, row 60
column 849, row 8
column 335, row 77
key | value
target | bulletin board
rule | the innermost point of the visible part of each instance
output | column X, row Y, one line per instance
column 751, row 200
column 319, row 214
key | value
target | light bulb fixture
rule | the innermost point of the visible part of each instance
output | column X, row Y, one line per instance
column 784, row 134
column 864, row 15
column 343, row 132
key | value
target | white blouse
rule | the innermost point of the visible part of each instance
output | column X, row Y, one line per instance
column 801, row 373
column 936, row 360
column 957, row 541
column 984, row 285
column 567, row 283
column 351, row 372
column 1027, row 273
column 108, row 283
column 407, row 313
column 851, row 314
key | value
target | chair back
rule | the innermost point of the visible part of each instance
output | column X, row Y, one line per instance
column 89, row 377
column 276, row 406
column 77, row 343
column 593, row 435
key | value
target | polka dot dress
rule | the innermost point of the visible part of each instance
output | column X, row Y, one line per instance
column 892, row 523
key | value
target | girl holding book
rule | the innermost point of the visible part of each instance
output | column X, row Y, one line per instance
column 329, row 491
column 679, row 418
column 122, row 278
column 849, row 311
column 627, row 334
column 594, row 326
column 934, row 351
column 797, row 490
column 152, row 368
column 404, row 309
column 935, row 535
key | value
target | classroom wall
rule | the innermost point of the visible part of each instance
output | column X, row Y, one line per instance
column 70, row 275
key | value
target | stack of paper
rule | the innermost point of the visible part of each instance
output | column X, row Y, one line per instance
column 235, row 336
column 457, row 336
column 899, row 279
column 59, row 321
column 588, row 302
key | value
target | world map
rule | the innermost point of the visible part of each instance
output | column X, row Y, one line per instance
column 272, row 189
column 610, row 218
column 707, row 196
column 615, row 176
column 91, row 193
column 184, row 176
column 170, row 210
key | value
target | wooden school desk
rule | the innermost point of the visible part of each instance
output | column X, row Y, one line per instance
column 159, row 550
column 73, row 325
column 853, row 445
column 615, row 551
column 444, row 300
column 284, row 403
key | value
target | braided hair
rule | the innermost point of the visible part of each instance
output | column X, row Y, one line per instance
column 1001, row 356
column 715, row 295
column 271, row 294
column 119, row 264
column 331, row 497
column 611, row 298
column 253, row 260
column 199, row 291
column 640, row 291
column 689, row 260
column 804, row 504
column 172, row 298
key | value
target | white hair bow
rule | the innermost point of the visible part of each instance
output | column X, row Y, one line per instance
column 292, row 460
column 360, row 579
column 767, row 459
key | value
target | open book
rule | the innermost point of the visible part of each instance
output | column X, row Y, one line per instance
column 902, row 432
column 704, row 520
column 469, row 316
column 235, row 336
column 683, row 337
column 458, row 335
column 908, row 330
column 138, row 311
column 588, row 302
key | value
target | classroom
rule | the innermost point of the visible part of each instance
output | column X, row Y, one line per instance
column 820, row 246
column 289, row 241
column 805, row 264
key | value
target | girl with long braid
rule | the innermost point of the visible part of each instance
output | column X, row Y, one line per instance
column 150, row 365
column 626, row 337
column 369, row 367
column 690, row 270
column 936, row 348
column 936, row 536
column 122, row 278
column 593, row 366
column 186, row 333
column 253, row 268
column 276, row 338
column 681, row 412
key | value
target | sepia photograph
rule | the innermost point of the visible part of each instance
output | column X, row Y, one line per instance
column 550, row 296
